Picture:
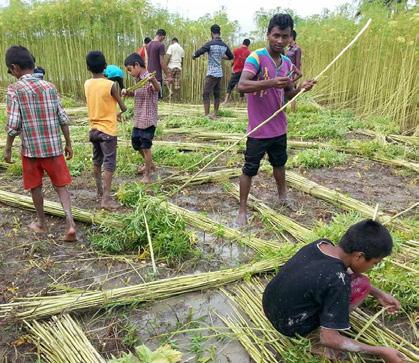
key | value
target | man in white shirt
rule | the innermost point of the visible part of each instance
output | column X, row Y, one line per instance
column 175, row 54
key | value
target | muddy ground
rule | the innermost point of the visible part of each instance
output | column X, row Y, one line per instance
column 41, row 265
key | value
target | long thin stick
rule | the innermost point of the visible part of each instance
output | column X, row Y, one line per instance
column 150, row 244
column 277, row 112
column 402, row 212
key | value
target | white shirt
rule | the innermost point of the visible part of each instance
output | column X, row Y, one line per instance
column 176, row 53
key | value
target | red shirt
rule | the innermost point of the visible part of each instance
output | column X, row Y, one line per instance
column 240, row 55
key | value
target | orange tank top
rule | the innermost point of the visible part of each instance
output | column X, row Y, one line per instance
column 101, row 105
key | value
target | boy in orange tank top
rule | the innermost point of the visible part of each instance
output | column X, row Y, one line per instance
column 102, row 95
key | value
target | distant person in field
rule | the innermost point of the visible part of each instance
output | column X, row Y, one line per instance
column 217, row 51
column 34, row 112
column 114, row 73
column 266, row 82
column 294, row 53
column 240, row 55
column 143, row 50
column 156, row 63
column 316, row 290
column 145, row 113
column 38, row 72
column 102, row 96
column 175, row 55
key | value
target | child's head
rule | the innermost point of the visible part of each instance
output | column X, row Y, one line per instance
column 279, row 31
column 367, row 242
column 246, row 42
column 96, row 62
column 114, row 73
column 18, row 60
column 134, row 64
column 147, row 40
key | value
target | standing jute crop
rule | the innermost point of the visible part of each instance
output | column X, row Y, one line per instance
column 277, row 112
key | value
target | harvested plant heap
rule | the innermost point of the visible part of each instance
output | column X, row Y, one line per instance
column 169, row 236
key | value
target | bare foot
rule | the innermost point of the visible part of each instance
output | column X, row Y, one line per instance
column 288, row 203
column 213, row 116
column 70, row 236
column 109, row 204
column 329, row 353
column 38, row 228
column 146, row 179
column 241, row 220
column 141, row 169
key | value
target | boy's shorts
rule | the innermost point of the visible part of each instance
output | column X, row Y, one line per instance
column 104, row 149
column 33, row 171
column 142, row 138
column 176, row 75
column 276, row 147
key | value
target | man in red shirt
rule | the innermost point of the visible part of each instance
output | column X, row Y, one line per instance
column 143, row 50
column 240, row 55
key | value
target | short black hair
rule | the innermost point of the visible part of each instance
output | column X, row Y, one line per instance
column 161, row 32
column 215, row 29
column 369, row 237
column 294, row 34
column 19, row 56
column 134, row 58
column 175, row 40
column 246, row 42
column 147, row 40
column 282, row 21
column 96, row 62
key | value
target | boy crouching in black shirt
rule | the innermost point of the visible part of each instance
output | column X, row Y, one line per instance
column 315, row 289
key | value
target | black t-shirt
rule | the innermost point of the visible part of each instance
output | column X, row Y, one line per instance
column 312, row 289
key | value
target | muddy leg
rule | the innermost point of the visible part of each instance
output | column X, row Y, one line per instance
column 40, row 225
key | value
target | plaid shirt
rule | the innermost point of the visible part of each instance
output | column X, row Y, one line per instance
column 34, row 112
column 145, row 105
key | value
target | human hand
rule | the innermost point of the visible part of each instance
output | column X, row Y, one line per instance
column 280, row 82
column 389, row 302
column 308, row 85
column 124, row 92
column 7, row 156
column 68, row 152
column 391, row 355
column 119, row 116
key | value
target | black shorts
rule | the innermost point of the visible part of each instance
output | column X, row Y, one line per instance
column 142, row 138
column 104, row 149
column 275, row 147
column 235, row 78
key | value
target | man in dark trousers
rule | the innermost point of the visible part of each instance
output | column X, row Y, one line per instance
column 240, row 55
column 156, row 63
column 217, row 51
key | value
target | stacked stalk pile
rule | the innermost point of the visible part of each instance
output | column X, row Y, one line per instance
column 308, row 186
column 62, row 340
column 277, row 220
column 55, row 209
column 265, row 344
column 36, row 307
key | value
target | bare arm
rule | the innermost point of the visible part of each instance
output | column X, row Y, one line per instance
column 386, row 300
column 155, row 84
column 247, row 84
column 115, row 94
column 332, row 339
column 164, row 66
column 68, row 149
column 8, row 149
column 290, row 92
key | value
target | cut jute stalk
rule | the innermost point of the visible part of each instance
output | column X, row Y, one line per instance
column 280, row 110
column 150, row 244
column 62, row 340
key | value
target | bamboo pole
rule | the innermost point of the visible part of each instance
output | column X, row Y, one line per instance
column 278, row 111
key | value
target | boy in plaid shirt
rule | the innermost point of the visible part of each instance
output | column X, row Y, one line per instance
column 145, row 113
column 35, row 114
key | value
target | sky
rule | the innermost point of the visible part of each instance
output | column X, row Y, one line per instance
column 244, row 14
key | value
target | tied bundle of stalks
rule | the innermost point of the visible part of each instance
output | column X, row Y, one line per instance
column 265, row 344
column 141, row 83
column 35, row 307
column 62, row 340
